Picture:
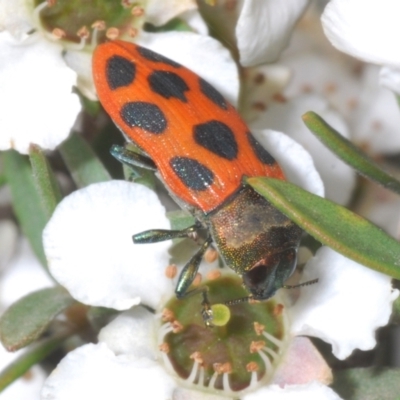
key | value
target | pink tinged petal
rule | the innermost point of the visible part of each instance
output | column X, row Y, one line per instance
column 302, row 364
column 88, row 245
column 95, row 372
column 160, row 12
column 16, row 17
column 346, row 306
column 132, row 333
column 295, row 161
column 35, row 94
column 338, row 178
column 312, row 391
column 198, row 53
column 264, row 28
column 366, row 29
column 390, row 78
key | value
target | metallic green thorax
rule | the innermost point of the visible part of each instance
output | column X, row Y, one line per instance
column 250, row 233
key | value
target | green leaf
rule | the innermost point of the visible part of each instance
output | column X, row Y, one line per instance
column 28, row 318
column 368, row 384
column 180, row 219
column 349, row 153
column 82, row 162
column 45, row 180
column 333, row 225
column 34, row 355
column 27, row 204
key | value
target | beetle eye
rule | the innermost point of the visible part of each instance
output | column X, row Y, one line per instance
column 266, row 278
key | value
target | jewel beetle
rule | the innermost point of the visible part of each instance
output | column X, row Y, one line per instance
column 201, row 150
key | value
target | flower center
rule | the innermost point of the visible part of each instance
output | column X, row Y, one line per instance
column 237, row 356
column 71, row 18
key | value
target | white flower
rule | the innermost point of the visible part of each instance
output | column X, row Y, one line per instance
column 367, row 30
column 40, row 69
column 89, row 250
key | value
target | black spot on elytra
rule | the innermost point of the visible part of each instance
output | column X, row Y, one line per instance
column 147, row 116
column 216, row 137
column 119, row 72
column 212, row 94
column 168, row 84
column 260, row 152
column 152, row 56
column 192, row 173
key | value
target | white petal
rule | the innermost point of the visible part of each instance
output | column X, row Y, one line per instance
column 160, row 12
column 366, row 29
column 16, row 17
column 194, row 19
column 95, row 372
column 390, row 78
column 346, row 306
column 338, row 178
column 295, row 161
column 36, row 97
column 312, row 391
column 375, row 121
column 88, row 244
column 198, row 53
column 81, row 63
column 133, row 332
column 181, row 393
column 264, row 27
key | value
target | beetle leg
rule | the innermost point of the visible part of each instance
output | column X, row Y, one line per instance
column 159, row 235
column 132, row 159
column 186, row 278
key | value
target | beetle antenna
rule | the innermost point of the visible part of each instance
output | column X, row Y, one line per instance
column 238, row 301
column 300, row 284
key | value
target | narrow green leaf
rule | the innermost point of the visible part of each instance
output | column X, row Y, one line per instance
column 27, row 203
column 82, row 162
column 349, row 153
column 368, row 383
column 34, row 355
column 45, row 180
column 27, row 319
column 333, row 225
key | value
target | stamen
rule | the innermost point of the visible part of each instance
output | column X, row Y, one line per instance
column 259, row 328
column 176, row 326
column 132, row 32
column 112, row 33
column 193, row 373
column 171, row 271
column 197, row 280
column 273, row 339
column 137, row 11
column 214, row 274
column 97, row 26
column 272, row 353
column 225, row 382
column 58, row 33
column 164, row 347
column 211, row 255
column 167, row 315
column 163, row 331
column 267, row 362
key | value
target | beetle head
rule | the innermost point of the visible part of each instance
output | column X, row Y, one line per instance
column 269, row 274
